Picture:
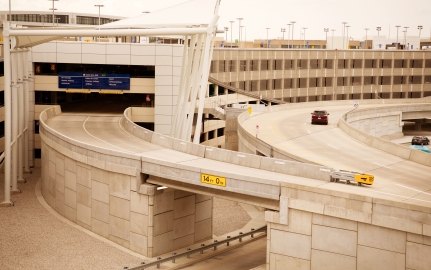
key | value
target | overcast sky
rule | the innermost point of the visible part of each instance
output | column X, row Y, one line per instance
column 258, row 15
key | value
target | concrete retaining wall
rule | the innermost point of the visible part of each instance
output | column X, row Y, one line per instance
column 322, row 230
column 104, row 192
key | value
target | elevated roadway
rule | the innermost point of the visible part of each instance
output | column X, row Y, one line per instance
column 306, row 214
column 290, row 131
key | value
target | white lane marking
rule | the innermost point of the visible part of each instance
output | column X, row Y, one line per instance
column 414, row 189
column 400, row 196
column 101, row 140
column 379, row 164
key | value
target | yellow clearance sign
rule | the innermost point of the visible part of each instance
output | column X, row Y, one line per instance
column 213, row 180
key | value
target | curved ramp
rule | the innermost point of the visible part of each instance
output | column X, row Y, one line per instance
column 288, row 133
column 175, row 163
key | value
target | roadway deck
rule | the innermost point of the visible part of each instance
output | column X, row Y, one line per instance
column 290, row 130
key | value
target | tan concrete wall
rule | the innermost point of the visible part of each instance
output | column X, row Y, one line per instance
column 328, row 230
column 106, row 194
column 231, row 130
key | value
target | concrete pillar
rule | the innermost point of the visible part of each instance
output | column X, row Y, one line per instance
column 177, row 219
column 231, row 128
column 30, row 112
column 21, row 106
column 14, row 124
column 26, row 136
column 7, row 108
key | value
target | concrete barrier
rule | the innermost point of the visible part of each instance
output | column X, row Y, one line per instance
column 347, row 124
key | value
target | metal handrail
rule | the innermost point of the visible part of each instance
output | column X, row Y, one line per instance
column 200, row 249
column 243, row 92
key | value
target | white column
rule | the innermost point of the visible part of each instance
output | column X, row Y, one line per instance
column 14, row 125
column 177, row 119
column 27, row 76
column 20, row 104
column 7, row 109
column 30, row 111
column 196, row 73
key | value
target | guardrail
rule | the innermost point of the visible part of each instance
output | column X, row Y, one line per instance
column 243, row 92
column 200, row 249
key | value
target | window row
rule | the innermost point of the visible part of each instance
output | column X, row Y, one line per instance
column 93, row 102
column 278, row 64
column 43, row 18
column 272, row 84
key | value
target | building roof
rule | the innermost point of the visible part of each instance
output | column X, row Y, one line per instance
column 188, row 14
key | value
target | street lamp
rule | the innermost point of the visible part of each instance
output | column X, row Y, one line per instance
column 99, row 6
column 239, row 29
column 283, row 30
column 231, row 32
column 343, row 32
column 245, row 32
column 303, row 29
column 366, row 37
column 333, row 31
column 293, row 25
column 53, row 11
column 398, row 28
column 326, row 30
column 288, row 34
column 420, row 27
column 405, row 36
column 379, row 28
column 226, row 29
column 10, row 12
column 347, row 36
column 267, row 37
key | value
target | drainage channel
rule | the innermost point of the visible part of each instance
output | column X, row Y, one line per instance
column 190, row 251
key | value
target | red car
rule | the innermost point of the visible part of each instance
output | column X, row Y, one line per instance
column 319, row 117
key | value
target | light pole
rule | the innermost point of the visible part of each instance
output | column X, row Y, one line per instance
column 283, row 30
column 10, row 12
column 304, row 29
column 288, row 34
column 326, row 30
column 239, row 29
column 226, row 29
column 99, row 6
column 245, row 32
column 267, row 37
column 420, row 27
column 231, row 32
column 366, row 37
column 405, row 36
column 343, row 32
column 293, row 25
column 378, row 34
column 398, row 28
column 53, row 11
column 347, row 36
column 332, row 45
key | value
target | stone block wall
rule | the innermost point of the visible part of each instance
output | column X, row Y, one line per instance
column 118, row 207
column 332, row 231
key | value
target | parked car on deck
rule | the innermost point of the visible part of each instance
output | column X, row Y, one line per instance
column 420, row 140
column 319, row 117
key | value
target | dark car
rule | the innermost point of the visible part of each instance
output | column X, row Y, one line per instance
column 420, row 140
column 319, row 117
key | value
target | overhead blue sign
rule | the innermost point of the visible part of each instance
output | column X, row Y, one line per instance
column 93, row 81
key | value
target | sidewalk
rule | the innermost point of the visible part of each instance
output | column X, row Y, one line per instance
column 33, row 236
